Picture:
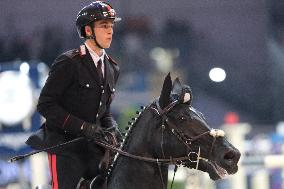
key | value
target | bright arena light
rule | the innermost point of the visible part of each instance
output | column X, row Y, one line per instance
column 24, row 68
column 217, row 74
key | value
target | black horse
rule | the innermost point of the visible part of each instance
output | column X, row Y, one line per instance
column 170, row 131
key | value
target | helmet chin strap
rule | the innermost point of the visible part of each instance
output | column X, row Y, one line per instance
column 94, row 36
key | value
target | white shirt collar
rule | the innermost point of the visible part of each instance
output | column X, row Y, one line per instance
column 95, row 56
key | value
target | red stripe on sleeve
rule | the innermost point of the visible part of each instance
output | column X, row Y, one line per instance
column 65, row 121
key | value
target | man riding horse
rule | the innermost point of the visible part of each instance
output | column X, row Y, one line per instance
column 75, row 101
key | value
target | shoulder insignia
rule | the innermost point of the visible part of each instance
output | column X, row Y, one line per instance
column 82, row 50
column 67, row 55
column 71, row 53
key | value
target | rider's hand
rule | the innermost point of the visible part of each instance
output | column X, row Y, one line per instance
column 92, row 131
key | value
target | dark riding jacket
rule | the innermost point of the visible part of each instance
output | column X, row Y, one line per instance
column 73, row 96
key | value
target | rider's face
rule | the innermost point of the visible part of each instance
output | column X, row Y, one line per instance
column 104, row 30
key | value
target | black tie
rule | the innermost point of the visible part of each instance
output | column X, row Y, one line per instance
column 100, row 72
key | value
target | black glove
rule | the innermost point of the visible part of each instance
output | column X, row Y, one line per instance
column 92, row 131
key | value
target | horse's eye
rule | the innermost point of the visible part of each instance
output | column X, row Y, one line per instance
column 182, row 118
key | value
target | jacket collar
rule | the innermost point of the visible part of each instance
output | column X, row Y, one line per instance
column 109, row 73
column 89, row 63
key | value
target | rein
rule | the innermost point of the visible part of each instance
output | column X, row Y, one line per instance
column 141, row 158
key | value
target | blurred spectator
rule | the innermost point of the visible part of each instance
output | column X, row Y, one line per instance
column 52, row 42
column 3, row 54
column 18, row 49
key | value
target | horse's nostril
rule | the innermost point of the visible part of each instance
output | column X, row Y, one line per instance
column 231, row 155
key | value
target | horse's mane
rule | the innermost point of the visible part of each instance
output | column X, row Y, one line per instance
column 125, row 143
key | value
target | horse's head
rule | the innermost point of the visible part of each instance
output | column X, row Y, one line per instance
column 186, row 133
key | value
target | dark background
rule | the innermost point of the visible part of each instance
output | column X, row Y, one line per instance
column 244, row 37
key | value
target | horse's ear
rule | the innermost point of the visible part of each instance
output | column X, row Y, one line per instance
column 177, row 87
column 164, row 99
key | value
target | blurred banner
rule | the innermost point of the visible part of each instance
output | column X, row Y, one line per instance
column 20, row 83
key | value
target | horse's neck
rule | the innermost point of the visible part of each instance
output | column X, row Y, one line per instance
column 130, row 173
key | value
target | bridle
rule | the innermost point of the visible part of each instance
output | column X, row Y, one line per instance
column 176, row 132
column 180, row 135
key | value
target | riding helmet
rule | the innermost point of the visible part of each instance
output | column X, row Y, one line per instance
column 95, row 11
